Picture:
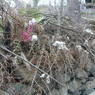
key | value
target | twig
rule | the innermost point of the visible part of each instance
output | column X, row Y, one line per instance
column 64, row 27
column 1, row 26
column 32, row 65
column 18, row 22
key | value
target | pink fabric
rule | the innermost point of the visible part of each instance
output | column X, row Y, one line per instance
column 30, row 28
column 25, row 36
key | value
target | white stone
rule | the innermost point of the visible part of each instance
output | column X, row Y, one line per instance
column 34, row 38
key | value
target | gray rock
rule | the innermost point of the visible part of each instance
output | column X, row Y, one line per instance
column 93, row 93
column 88, row 66
column 92, row 71
column 83, row 81
column 81, row 74
column 88, row 91
column 3, row 93
column 74, row 85
column 77, row 92
column 62, row 91
column 19, row 89
column 90, row 84
column 67, row 78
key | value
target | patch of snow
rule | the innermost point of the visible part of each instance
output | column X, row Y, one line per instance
column 42, row 76
column 68, row 38
column 12, row 4
column 79, row 47
column 93, row 93
column 48, row 79
column 86, row 52
column 34, row 38
column 88, row 30
column 60, row 45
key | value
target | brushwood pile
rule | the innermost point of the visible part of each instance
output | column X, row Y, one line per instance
column 45, row 58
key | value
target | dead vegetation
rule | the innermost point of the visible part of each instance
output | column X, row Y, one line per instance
column 42, row 63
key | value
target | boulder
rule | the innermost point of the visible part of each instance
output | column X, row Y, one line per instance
column 89, row 91
column 81, row 74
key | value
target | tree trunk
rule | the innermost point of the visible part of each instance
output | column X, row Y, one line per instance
column 35, row 3
column 74, row 10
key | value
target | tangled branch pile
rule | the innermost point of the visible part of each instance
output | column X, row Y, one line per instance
column 39, row 57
